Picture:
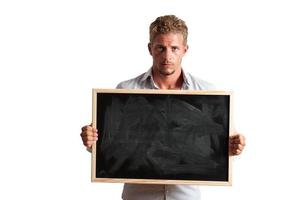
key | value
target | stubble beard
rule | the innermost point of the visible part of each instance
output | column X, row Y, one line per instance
column 167, row 72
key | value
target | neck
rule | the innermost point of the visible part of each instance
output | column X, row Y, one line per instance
column 168, row 82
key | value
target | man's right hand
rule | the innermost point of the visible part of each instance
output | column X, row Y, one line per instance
column 89, row 135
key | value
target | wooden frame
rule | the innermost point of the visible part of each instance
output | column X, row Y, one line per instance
column 222, row 158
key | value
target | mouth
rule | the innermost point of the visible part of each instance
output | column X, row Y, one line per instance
column 166, row 64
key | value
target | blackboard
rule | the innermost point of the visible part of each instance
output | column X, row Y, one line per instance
column 162, row 136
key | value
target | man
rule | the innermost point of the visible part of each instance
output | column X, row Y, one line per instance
column 167, row 46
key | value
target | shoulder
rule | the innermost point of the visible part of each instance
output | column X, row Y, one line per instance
column 134, row 83
column 199, row 84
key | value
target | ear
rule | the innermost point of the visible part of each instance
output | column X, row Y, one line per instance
column 149, row 46
column 186, row 48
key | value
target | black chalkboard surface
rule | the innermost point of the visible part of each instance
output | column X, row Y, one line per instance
column 164, row 137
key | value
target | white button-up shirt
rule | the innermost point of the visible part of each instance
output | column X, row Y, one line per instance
column 162, row 192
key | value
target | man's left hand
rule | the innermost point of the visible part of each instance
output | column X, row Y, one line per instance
column 237, row 143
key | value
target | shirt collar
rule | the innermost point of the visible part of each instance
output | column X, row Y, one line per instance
column 148, row 74
column 186, row 78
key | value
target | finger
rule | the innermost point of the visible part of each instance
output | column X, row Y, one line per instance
column 90, row 130
column 237, row 152
column 94, row 129
column 88, row 133
column 95, row 138
column 234, row 136
column 88, row 144
column 87, row 128
column 237, row 139
column 242, row 140
column 235, row 147
column 95, row 132
column 89, row 138
column 85, row 134
column 238, row 146
column 233, row 139
column 234, row 151
column 86, row 137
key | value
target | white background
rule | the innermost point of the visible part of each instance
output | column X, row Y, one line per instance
column 52, row 53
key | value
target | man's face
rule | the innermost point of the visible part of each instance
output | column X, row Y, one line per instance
column 167, row 51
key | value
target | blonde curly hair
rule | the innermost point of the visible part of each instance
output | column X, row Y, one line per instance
column 168, row 24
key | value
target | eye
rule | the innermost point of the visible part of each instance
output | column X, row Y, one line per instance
column 160, row 48
column 174, row 48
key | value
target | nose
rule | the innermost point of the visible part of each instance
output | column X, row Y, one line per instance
column 167, row 54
